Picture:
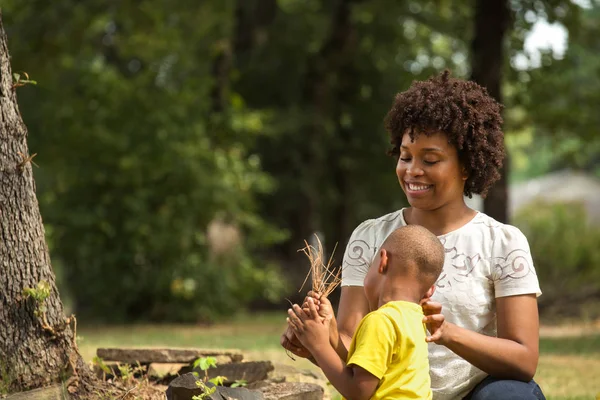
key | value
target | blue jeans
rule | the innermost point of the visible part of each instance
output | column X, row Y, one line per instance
column 499, row 389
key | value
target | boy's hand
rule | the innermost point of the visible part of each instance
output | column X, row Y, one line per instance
column 310, row 328
column 290, row 342
column 322, row 304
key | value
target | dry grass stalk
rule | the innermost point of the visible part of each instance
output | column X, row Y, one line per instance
column 325, row 277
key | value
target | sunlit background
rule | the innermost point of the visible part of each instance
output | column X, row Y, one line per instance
column 186, row 149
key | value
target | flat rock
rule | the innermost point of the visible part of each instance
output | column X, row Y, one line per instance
column 184, row 387
column 172, row 355
column 47, row 393
column 228, row 393
column 293, row 391
column 250, row 371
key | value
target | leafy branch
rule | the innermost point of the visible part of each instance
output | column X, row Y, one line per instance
column 18, row 81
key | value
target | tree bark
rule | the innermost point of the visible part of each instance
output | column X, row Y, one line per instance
column 492, row 20
column 31, row 356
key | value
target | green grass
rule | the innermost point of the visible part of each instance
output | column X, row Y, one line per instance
column 585, row 346
column 568, row 367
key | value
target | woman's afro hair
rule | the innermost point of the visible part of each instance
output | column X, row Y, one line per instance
column 465, row 112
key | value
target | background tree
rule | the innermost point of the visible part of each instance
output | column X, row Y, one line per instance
column 164, row 129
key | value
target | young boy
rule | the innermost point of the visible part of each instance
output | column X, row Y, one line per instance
column 388, row 355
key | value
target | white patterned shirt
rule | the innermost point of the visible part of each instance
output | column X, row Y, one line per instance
column 485, row 259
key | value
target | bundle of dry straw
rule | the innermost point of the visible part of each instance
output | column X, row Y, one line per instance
column 325, row 277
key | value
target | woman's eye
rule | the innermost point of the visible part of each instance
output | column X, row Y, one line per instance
column 404, row 159
column 430, row 162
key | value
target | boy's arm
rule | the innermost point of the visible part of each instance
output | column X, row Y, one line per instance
column 313, row 331
column 325, row 310
column 354, row 383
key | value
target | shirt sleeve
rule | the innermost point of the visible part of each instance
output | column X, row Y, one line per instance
column 512, row 265
column 358, row 255
column 375, row 339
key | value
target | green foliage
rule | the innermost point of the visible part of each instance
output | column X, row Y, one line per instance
column 239, row 383
column 18, row 81
column 564, row 246
column 125, row 372
column 135, row 163
column 39, row 294
column 207, row 391
column 6, row 378
column 218, row 380
column 556, row 102
column 99, row 362
column 266, row 118
column 204, row 363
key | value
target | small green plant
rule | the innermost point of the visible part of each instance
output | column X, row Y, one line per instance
column 18, row 81
column 218, row 380
column 207, row 391
column 125, row 371
column 99, row 362
column 39, row 294
column 239, row 383
column 204, row 363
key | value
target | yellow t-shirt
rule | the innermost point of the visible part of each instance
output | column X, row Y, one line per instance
column 390, row 344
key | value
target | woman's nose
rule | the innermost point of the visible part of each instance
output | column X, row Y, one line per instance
column 414, row 170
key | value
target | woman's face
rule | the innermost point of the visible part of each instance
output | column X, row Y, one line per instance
column 430, row 172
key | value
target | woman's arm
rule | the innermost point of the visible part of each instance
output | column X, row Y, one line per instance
column 351, row 310
column 511, row 355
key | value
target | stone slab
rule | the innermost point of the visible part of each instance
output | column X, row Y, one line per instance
column 184, row 387
column 293, row 391
column 169, row 355
column 47, row 393
column 250, row 371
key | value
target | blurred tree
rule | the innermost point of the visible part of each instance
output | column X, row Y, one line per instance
column 329, row 71
column 492, row 20
column 556, row 102
column 141, row 147
column 157, row 122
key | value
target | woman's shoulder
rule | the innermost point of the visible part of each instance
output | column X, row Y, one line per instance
column 384, row 223
column 503, row 235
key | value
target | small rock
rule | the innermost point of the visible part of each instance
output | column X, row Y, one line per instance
column 184, row 387
column 293, row 391
column 293, row 374
column 251, row 371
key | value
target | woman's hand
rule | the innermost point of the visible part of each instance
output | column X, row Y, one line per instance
column 290, row 342
column 310, row 328
column 435, row 321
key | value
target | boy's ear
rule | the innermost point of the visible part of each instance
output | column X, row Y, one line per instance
column 430, row 292
column 383, row 262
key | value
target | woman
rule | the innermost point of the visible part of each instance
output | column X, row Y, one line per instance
column 483, row 318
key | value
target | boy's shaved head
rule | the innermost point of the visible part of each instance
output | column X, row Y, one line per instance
column 415, row 250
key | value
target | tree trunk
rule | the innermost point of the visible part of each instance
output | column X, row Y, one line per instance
column 492, row 19
column 36, row 347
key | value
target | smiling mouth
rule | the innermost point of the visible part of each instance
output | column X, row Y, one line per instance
column 417, row 187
